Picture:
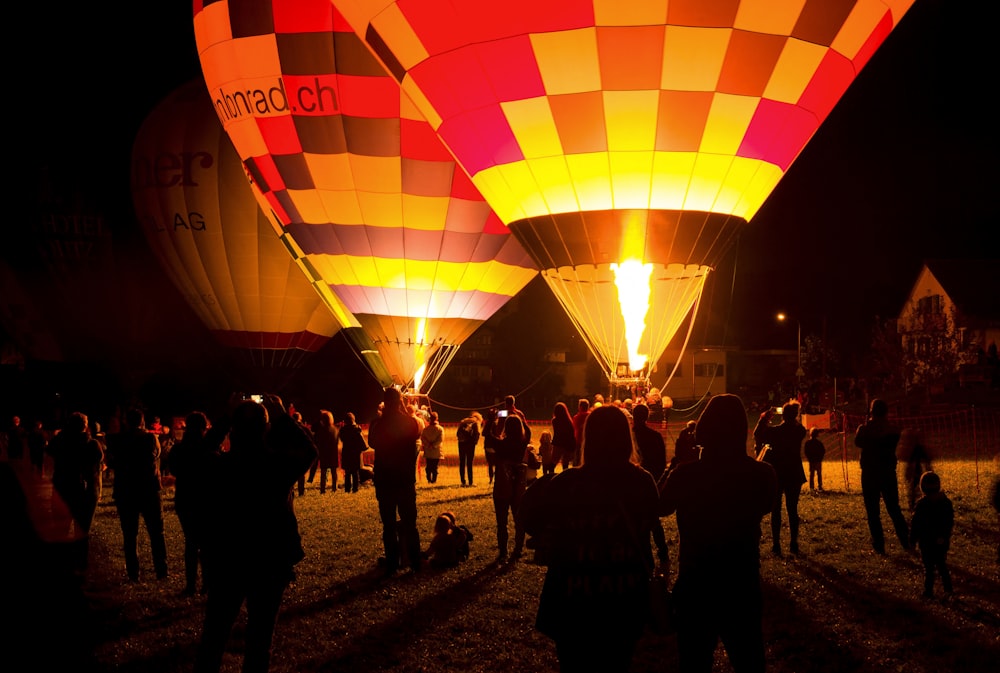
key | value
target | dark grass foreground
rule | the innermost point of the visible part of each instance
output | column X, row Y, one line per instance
column 837, row 607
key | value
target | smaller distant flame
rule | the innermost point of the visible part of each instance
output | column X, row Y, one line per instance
column 632, row 279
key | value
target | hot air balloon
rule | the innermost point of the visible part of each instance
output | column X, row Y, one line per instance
column 370, row 200
column 203, row 222
column 625, row 143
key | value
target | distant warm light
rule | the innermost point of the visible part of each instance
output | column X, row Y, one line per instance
column 782, row 317
column 632, row 279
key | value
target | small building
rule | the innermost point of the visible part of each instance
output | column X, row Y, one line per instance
column 951, row 320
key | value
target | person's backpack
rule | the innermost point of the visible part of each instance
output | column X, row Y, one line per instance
column 467, row 431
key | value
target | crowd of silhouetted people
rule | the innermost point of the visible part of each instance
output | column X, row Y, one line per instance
column 587, row 496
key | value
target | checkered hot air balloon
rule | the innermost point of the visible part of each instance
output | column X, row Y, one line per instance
column 369, row 199
column 625, row 143
column 203, row 222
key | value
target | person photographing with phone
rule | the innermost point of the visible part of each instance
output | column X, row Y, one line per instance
column 510, row 409
column 511, row 437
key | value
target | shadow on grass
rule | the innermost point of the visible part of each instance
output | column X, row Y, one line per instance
column 925, row 638
column 385, row 641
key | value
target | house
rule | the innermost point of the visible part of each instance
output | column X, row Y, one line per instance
column 950, row 323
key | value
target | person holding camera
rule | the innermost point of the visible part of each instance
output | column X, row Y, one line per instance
column 785, row 456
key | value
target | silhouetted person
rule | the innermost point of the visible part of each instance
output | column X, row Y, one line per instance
column 134, row 455
column 192, row 461
column 431, row 438
column 686, row 447
column 449, row 544
column 467, row 433
column 327, row 437
column 653, row 458
column 301, row 482
column 933, row 520
column 394, row 436
column 563, row 438
column 785, row 456
column 720, row 500
column 579, row 421
column 253, row 541
column 597, row 520
column 49, row 618
column 38, row 443
column 77, row 463
column 17, row 439
column 352, row 445
column 509, row 484
column 815, row 451
column 877, row 440
column 512, row 409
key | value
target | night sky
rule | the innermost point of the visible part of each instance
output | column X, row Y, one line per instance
column 904, row 168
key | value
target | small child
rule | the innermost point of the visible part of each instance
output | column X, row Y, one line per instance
column 546, row 454
column 450, row 544
column 533, row 462
column 815, row 450
column 933, row 519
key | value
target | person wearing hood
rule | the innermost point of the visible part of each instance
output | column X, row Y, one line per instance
column 720, row 501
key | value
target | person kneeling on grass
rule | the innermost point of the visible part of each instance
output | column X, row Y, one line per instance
column 450, row 544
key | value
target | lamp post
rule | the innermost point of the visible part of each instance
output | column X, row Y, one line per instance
column 799, row 373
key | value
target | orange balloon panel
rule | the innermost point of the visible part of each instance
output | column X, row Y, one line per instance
column 590, row 105
column 369, row 199
column 602, row 131
column 203, row 222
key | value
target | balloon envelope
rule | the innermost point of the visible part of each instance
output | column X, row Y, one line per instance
column 203, row 222
column 369, row 199
column 604, row 132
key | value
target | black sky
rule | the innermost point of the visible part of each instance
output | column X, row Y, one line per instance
column 904, row 168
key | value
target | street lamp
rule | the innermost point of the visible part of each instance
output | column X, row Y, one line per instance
column 798, row 346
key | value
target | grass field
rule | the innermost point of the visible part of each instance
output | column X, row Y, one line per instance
column 836, row 607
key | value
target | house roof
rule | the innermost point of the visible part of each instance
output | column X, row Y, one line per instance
column 972, row 284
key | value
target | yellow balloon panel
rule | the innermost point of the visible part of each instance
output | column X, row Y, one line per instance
column 368, row 199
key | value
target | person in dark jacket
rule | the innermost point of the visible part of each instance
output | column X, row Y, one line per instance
column 134, row 456
column 563, row 439
column 509, row 484
column 393, row 435
column 192, row 461
column 77, row 465
column 719, row 501
column 327, row 437
column 596, row 519
column 352, row 445
column 686, row 447
column 652, row 458
column 252, row 542
column 815, row 451
column 877, row 440
column 930, row 529
column 467, row 433
column 782, row 449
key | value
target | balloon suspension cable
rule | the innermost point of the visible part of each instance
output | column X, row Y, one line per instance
column 516, row 395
